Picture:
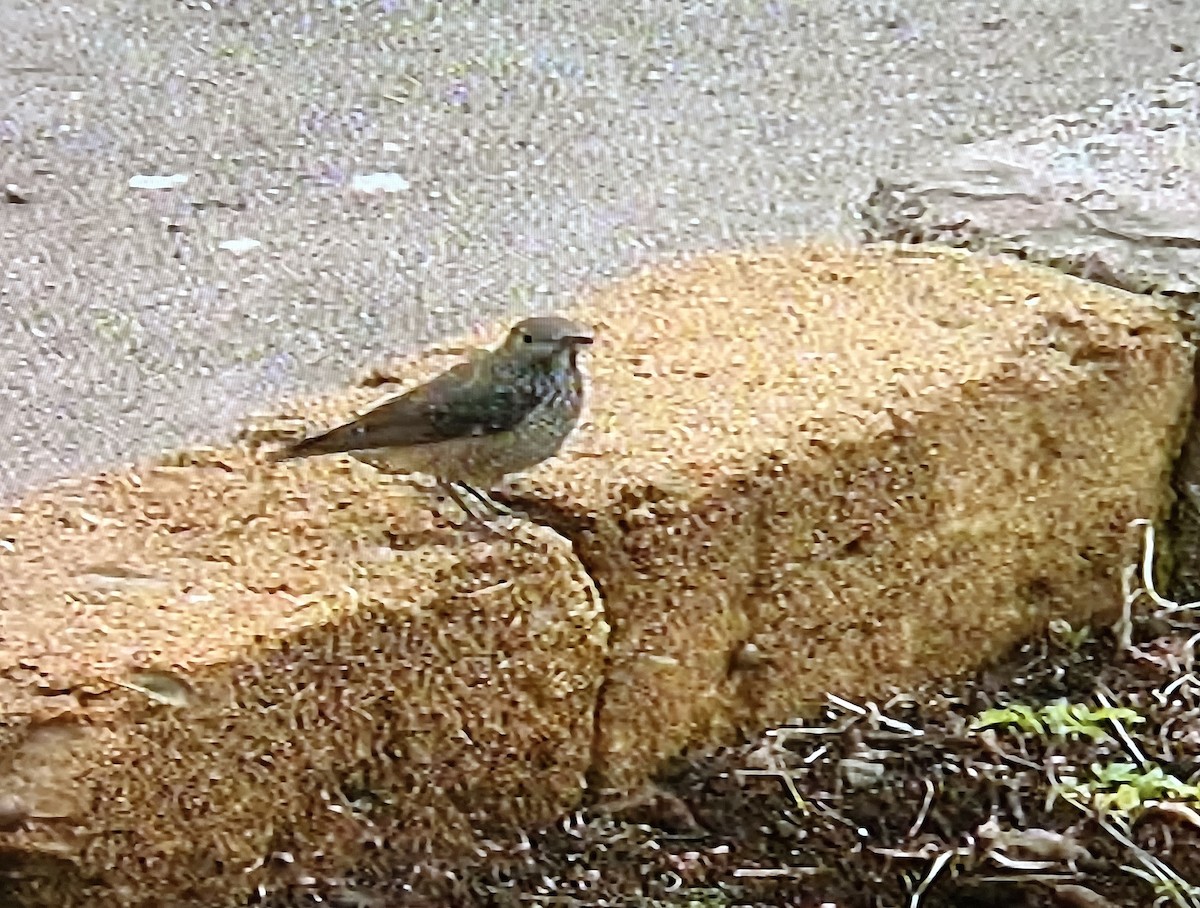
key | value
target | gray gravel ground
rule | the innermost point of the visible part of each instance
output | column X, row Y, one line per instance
column 544, row 148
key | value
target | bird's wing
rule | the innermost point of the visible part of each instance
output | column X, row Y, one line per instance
column 461, row 402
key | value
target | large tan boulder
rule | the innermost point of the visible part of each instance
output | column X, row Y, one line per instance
column 859, row 469
column 227, row 674
column 1111, row 193
column 808, row 470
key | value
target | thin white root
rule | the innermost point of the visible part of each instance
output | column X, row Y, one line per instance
column 1165, row 605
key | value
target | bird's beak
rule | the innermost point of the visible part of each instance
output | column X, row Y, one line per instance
column 581, row 339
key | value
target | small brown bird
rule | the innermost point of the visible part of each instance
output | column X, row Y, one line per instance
column 503, row 411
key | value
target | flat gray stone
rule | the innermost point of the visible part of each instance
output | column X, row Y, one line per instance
column 1111, row 194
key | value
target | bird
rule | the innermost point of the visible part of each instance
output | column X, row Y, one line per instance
column 502, row 411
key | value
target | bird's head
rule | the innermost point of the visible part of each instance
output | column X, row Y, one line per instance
column 545, row 337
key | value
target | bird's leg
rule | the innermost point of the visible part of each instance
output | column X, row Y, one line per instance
column 486, row 500
column 455, row 495
column 453, row 491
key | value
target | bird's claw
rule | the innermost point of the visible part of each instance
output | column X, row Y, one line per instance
column 455, row 492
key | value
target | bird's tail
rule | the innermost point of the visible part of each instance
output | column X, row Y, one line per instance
column 286, row 453
column 335, row 441
column 282, row 454
column 307, row 447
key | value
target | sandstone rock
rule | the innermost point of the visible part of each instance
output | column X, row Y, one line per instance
column 806, row 470
column 875, row 466
column 225, row 674
column 1111, row 194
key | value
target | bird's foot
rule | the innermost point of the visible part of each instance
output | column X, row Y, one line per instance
column 497, row 509
column 458, row 492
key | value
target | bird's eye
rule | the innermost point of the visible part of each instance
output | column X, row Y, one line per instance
column 527, row 338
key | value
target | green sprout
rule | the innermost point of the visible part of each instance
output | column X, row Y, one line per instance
column 1126, row 789
column 1062, row 719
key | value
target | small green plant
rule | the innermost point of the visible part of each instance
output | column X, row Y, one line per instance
column 1071, row 638
column 1116, row 794
column 1126, row 789
column 1062, row 719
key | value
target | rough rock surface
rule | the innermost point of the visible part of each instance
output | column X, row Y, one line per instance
column 804, row 470
column 1111, row 194
column 209, row 664
column 872, row 466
